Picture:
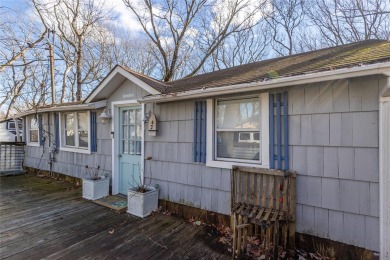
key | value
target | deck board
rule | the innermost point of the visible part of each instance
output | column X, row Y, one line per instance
column 45, row 218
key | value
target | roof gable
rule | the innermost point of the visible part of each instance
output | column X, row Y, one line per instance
column 116, row 77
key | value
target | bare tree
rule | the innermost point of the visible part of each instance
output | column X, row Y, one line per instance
column 130, row 51
column 25, row 86
column 243, row 47
column 343, row 21
column 284, row 19
column 186, row 33
column 75, row 22
column 23, row 57
column 17, row 36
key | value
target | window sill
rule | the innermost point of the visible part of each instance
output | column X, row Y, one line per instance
column 229, row 165
column 33, row 144
column 75, row 150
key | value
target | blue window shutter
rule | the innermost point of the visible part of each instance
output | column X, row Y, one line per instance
column 278, row 120
column 203, row 152
column 93, row 132
column 57, row 129
column 25, row 129
column 40, row 129
column 271, row 132
column 195, row 151
column 199, row 145
column 285, row 125
column 278, row 131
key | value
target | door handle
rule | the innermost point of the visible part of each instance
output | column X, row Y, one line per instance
column 119, row 155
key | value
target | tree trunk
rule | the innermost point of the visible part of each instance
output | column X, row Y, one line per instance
column 78, row 69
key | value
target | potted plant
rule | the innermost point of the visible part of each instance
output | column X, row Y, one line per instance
column 142, row 200
column 96, row 184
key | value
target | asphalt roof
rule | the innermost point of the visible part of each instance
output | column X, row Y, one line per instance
column 344, row 56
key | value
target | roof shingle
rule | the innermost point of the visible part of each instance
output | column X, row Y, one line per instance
column 344, row 56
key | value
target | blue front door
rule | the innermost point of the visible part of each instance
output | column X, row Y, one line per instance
column 130, row 148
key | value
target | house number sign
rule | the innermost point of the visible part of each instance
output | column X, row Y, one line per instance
column 152, row 127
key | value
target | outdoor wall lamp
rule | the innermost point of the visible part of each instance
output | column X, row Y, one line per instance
column 105, row 117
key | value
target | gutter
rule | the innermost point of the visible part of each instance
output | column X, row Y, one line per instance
column 372, row 69
column 89, row 106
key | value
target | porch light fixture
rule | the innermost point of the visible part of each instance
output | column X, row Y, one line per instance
column 105, row 117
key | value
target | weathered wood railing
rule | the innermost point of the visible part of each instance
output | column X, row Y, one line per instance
column 263, row 204
column 11, row 157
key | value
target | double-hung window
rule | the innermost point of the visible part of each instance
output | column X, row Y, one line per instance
column 238, row 131
column 75, row 130
column 33, row 131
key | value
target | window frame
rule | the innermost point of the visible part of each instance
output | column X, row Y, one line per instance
column 76, row 148
column 212, row 160
column 28, row 130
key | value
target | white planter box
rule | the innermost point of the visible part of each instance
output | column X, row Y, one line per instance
column 142, row 204
column 95, row 189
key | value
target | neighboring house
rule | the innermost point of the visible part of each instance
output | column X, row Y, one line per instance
column 324, row 114
column 9, row 129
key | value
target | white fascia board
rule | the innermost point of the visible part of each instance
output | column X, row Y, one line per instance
column 372, row 69
column 127, row 75
column 89, row 106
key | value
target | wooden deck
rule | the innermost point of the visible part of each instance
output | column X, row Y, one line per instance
column 44, row 218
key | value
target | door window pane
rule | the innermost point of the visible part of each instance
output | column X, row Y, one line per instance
column 125, row 117
column 131, row 131
column 138, row 148
column 125, row 147
column 132, row 148
column 132, row 117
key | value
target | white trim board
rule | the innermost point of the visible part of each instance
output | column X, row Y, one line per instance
column 384, row 177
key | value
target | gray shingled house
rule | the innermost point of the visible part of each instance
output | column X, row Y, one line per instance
column 324, row 114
